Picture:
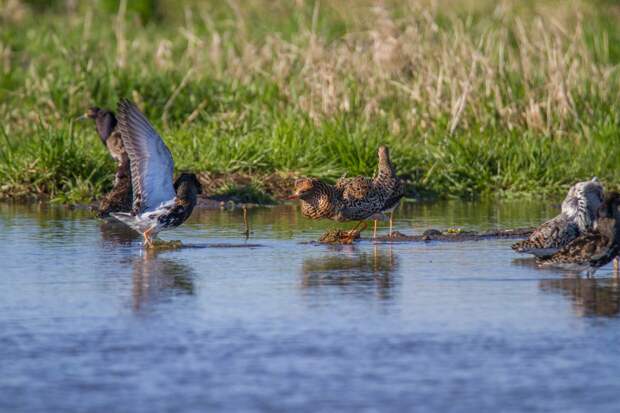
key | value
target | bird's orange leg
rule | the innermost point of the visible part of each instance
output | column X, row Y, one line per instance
column 148, row 241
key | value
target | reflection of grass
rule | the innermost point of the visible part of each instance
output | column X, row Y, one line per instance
column 511, row 98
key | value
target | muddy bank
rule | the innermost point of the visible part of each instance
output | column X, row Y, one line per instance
column 456, row 235
column 242, row 188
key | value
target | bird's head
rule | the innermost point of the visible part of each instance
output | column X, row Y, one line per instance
column 304, row 187
column 105, row 121
column 92, row 113
column 383, row 152
column 188, row 182
column 610, row 208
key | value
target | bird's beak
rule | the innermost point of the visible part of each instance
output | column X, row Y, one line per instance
column 293, row 197
column 83, row 117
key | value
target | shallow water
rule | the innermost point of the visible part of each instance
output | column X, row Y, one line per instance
column 90, row 322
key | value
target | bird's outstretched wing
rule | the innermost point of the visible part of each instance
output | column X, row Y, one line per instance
column 152, row 166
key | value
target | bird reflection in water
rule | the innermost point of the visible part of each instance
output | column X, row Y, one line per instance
column 361, row 272
column 157, row 279
column 590, row 296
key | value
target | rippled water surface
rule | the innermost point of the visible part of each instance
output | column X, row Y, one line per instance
column 91, row 323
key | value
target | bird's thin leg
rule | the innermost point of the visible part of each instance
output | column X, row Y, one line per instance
column 391, row 216
column 374, row 232
column 148, row 241
column 616, row 264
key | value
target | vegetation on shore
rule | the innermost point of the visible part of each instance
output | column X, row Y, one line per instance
column 473, row 97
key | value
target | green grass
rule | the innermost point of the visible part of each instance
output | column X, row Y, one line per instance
column 262, row 86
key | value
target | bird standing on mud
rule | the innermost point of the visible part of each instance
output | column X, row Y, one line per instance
column 119, row 199
column 159, row 203
column 351, row 199
column 594, row 249
column 388, row 180
column 579, row 212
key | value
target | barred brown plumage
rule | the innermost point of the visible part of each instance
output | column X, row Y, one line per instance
column 352, row 199
column 577, row 217
column 389, row 181
column 594, row 249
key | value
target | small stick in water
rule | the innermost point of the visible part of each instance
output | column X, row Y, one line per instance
column 245, row 222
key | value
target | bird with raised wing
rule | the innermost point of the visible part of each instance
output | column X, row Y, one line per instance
column 577, row 217
column 159, row 203
column 593, row 249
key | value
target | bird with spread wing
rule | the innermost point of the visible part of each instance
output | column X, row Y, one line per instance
column 159, row 203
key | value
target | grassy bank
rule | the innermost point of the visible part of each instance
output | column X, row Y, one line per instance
column 473, row 97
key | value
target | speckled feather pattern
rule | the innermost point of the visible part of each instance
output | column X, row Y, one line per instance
column 594, row 249
column 577, row 217
column 322, row 203
column 357, row 198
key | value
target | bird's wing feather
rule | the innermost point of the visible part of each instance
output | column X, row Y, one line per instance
column 585, row 248
column 355, row 189
column 554, row 233
column 152, row 166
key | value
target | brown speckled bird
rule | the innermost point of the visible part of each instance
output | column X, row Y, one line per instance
column 351, row 199
column 594, row 249
column 159, row 203
column 388, row 180
column 577, row 217
column 386, row 186
column 119, row 199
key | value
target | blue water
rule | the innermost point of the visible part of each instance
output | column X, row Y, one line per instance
column 89, row 322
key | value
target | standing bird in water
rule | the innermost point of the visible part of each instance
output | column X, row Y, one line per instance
column 386, row 178
column 119, row 199
column 579, row 212
column 158, row 202
column 594, row 249
column 386, row 184
column 351, row 199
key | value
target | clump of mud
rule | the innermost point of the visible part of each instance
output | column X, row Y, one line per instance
column 339, row 236
column 161, row 245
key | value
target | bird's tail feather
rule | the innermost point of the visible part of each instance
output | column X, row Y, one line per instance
column 130, row 220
